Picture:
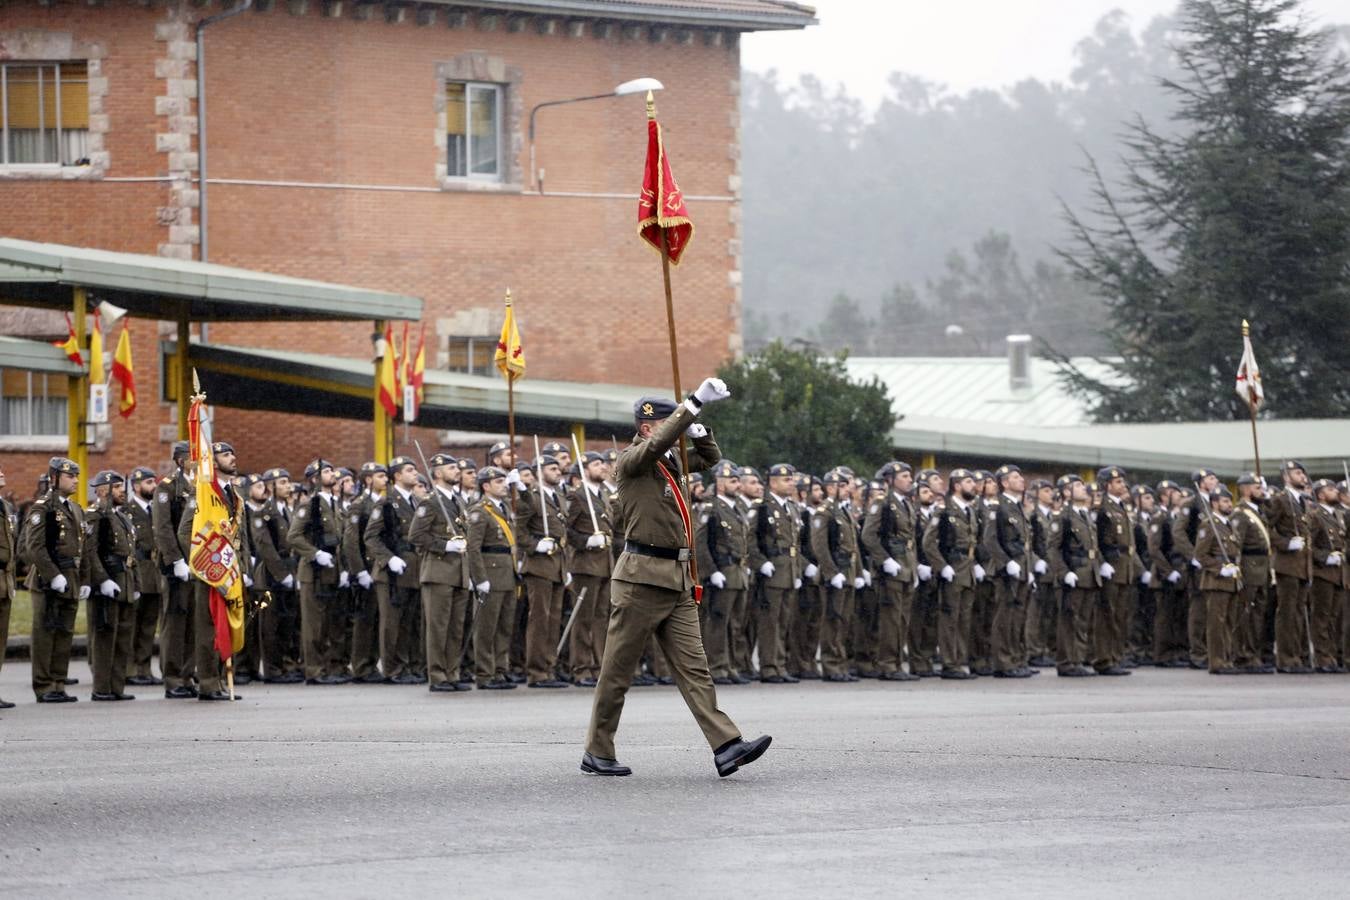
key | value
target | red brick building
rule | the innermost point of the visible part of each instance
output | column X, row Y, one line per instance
column 382, row 145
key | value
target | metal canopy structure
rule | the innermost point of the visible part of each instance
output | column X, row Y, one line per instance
column 36, row 356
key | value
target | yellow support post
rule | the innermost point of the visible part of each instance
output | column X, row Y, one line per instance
column 383, row 426
column 929, row 461
column 77, row 396
column 579, row 432
column 184, row 372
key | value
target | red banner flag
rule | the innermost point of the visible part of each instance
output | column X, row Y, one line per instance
column 124, row 373
column 661, row 204
column 70, row 345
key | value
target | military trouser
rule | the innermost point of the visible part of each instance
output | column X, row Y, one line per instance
column 896, row 597
column 365, row 632
column 1110, row 624
column 1169, row 624
column 443, row 608
column 278, row 623
column 657, row 664
column 1326, row 622
column 713, row 622
column 6, row 603
column 177, row 659
column 1293, row 612
column 53, row 630
column 639, row 612
column 111, row 629
column 1040, row 630
column 210, row 667
column 980, row 640
column 144, row 622
column 956, row 604
column 415, row 636
column 1197, row 617
column 1249, row 643
column 740, row 633
column 586, row 644
column 544, row 627
column 1010, row 623
column 805, row 643
column 769, row 629
column 492, row 626
column 1221, row 625
column 397, row 615
column 1074, row 624
column 923, row 628
column 519, row 627
column 836, row 620
column 322, row 621
column 1141, row 623
column 863, row 632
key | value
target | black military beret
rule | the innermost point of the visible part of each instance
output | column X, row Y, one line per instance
column 574, row 470
column 490, row 473
column 221, row 447
column 1321, row 483
column 140, row 473
column 252, row 478
column 180, row 448
column 524, row 466
column 1166, row 485
column 1065, row 480
column 649, row 409
column 1219, row 493
column 346, row 472
column 781, row 470
column 1291, row 464
column 1039, row 484
column 892, row 469
column 983, row 475
column 274, row 474
column 498, row 447
column 63, row 465
column 317, row 466
column 1140, row 490
column 834, row 476
column 727, row 469
column 1201, row 474
column 1109, row 473
column 1248, row 478
column 553, row 448
column 441, row 459
column 845, row 471
column 612, row 455
column 749, row 472
column 399, row 462
column 956, row 475
column 1007, row 469
column 591, row 456
column 927, row 474
column 107, row 476
column 547, row 459
column 372, row 467
column 468, row 465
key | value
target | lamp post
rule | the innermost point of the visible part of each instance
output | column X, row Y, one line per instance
column 636, row 86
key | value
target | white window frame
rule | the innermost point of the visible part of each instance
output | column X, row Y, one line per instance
column 46, row 395
column 499, row 92
column 40, row 167
column 472, row 342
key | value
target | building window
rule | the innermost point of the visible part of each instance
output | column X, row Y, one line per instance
column 473, row 130
column 472, row 355
column 44, row 114
column 32, row 404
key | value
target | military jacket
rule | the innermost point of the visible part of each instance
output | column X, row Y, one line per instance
column 1007, row 537
column 1328, row 536
column 586, row 561
column 543, row 565
column 317, row 525
column 355, row 554
column 1116, row 540
column 112, row 548
column 1213, row 534
column 172, row 496
column 54, row 544
column 438, row 520
column 1074, row 539
column 491, row 550
column 9, row 549
column 777, row 535
column 1040, row 520
column 951, row 540
column 387, row 537
column 724, row 542
column 834, row 539
column 149, row 579
column 270, row 527
column 1185, row 531
column 1158, row 529
column 1287, row 515
column 1254, row 536
column 888, row 533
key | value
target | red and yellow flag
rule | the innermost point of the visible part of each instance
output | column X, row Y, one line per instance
column 417, row 375
column 124, row 374
column 661, row 207
column 96, row 373
column 214, row 557
column 388, row 392
column 70, row 345
column 510, row 355
column 402, row 363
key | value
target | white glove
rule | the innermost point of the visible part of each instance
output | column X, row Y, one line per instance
column 109, row 588
column 58, row 584
column 812, row 570
column 1195, row 563
column 1228, row 571
column 363, row 578
column 253, row 562
column 1146, row 579
column 1106, row 571
column 545, row 545
column 1031, row 579
column 796, row 584
column 1174, row 578
column 859, row 583
column 323, row 558
column 718, row 580
column 866, row 578
column 766, row 570
column 1334, row 559
column 288, row 582
column 1295, row 544
column 84, row 592
column 948, row 573
column 397, row 565
column 837, row 582
column 1040, row 568
column 890, row 567
column 344, row 579
column 567, row 579
column 136, row 595
column 697, row 431
column 712, row 390
column 520, row 566
column 925, row 572
column 979, row 572
column 484, row 586
column 456, row 545
column 513, row 477
column 1014, row 568
column 1071, row 579
column 180, row 570
column 595, row 542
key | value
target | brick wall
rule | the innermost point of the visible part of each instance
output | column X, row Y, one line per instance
column 297, row 95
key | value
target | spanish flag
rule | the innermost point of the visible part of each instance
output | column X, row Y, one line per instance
column 214, row 557
column 96, row 373
column 510, row 356
column 401, row 365
column 388, row 393
column 417, row 376
column 70, row 345
column 123, row 374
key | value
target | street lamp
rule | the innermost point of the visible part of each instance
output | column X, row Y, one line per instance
column 636, row 86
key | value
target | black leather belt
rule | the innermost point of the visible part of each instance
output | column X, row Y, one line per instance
column 1254, row 553
column 495, row 548
column 681, row 555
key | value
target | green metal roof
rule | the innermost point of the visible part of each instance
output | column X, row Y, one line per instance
column 157, row 287
column 35, row 356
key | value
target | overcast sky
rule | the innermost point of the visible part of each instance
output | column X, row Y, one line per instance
column 960, row 43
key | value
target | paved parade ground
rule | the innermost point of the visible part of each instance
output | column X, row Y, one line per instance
column 1167, row 783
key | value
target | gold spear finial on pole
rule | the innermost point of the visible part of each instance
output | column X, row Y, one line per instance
column 508, row 296
column 1246, row 329
column 651, row 105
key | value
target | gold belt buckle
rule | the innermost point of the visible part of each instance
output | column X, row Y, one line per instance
column 792, row 551
column 1092, row 554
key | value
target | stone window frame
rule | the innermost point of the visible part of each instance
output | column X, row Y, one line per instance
column 478, row 66
column 38, row 45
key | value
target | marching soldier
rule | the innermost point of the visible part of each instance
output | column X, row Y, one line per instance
column 491, row 556
column 652, row 589
column 315, row 537
column 834, row 541
column 9, row 563
column 176, row 658
column 1250, row 642
column 1120, row 570
column 1076, row 561
column 396, row 573
column 54, row 547
column 111, row 611
column 888, row 535
column 1219, row 550
column 148, row 578
column 722, row 540
column 365, row 657
column 544, row 532
column 951, row 542
column 1288, row 513
column 1329, row 576
column 777, row 531
column 592, row 566
column 276, row 574
column 438, row 533
column 1007, row 544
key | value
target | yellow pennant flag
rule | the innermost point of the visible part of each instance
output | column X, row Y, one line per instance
column 124, row 374
column 510, row 356
column 96, row 373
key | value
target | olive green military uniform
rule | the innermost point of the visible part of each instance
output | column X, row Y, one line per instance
column 1170, row 608
column 9, row 564
column 491, row 556
column 54, row 544
column 741, row 621
column 983, row 607
column 1116, row 541
column 365, row 659
column 1073, row 537
column 543, row 579
column 1007, row 544
column 651, row 594
column 722, row 538
column 804, row 646
column 397, row 593
column 1287, row 514
column 1041, row 606
column 317, row 527
column 923, row 626
column 951, row 541
column 865, row 625
column 1185, row 528
column 591, row 571
column 888, row 534
column 270, row 529
column 1250, row 646
column 444, row 578
column 777, row 532
column 1217, row 545
column 150, row 582
column 835, row 544
column 176, row 658
column 111, row 550
column 1329, row 584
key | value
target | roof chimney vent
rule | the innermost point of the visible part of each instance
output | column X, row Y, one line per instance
column 1019, row 362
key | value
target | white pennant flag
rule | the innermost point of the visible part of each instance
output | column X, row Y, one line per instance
column 1248, row 384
